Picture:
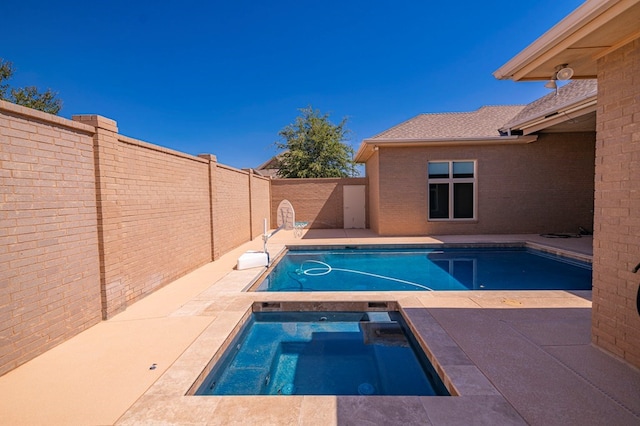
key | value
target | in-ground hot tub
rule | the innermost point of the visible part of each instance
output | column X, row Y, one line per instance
column 321, row 352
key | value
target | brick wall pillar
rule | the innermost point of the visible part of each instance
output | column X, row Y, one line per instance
column 213, row 164
column 256, row 224
column 616, row 243
column 107, row 156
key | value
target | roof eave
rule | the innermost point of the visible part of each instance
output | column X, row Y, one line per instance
column 555, row 116
column 369, row 146
column 562, row 43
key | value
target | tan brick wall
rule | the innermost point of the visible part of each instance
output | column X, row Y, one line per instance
column 164, row 216
column 616, row 251
column 155, row 215
column 541, row 187
column 317, row 201
column 260, row 204
column 49, row 267
column 232, row 219
column 373, row 174
column 91, row 221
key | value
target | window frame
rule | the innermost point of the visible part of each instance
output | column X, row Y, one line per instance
column 451, row 181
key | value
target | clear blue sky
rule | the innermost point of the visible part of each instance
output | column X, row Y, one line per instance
column 224, row 77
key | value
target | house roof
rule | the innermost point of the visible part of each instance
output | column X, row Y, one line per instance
column 481, row 123
column 572, row 100
column 590, row 32
column 571, row 108
column 270, row 167
column 452, row 128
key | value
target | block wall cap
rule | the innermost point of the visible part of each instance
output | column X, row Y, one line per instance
column 158, row 148
column 33, row 114
column 212, row 158
column 97, row 121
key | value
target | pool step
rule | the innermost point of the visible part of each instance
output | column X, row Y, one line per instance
column 379, row 317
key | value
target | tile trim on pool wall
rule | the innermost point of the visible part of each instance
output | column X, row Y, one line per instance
column 219, row 352
column 515, row 244
column 562, row 253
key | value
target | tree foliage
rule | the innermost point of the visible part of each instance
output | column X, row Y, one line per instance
column 26, row 96
column 315, row 148
column 6, row 71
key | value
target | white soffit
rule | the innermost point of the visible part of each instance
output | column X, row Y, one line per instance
column 591, row 31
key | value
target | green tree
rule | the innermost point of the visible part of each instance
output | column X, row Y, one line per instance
column 26, row 96
column 315, row 148
column 6, row 71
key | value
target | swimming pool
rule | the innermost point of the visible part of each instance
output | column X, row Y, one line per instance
column 323, row 353
column 426, row 269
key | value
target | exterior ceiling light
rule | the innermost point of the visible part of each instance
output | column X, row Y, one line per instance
column 564, row 73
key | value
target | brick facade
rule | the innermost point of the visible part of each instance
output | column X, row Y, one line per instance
column 232, row 219
column 373, row 173
column 154, row 214
column 49, row 264
column 91, row 221
column 541, row 187
column 616, row 251
column 260, row 190
column 316, row 201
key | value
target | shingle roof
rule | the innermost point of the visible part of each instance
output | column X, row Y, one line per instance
column 483, row 122
column 270, row 167
column 567, row 95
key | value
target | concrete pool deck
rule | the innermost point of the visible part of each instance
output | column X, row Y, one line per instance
column 517, row 357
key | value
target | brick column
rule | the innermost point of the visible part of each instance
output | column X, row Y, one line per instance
column 616, row 242
column 213, row 164
column 107, row 156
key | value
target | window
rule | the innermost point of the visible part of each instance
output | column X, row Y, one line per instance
column 452, row 190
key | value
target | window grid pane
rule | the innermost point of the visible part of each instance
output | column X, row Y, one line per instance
column 451, row 190
column 439, row 170
column 439, row 201
column 463, row 169
column 463, row 200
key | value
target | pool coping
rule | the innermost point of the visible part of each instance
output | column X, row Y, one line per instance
column 555, row 251
column 174, row 388
column 513, row 244
column 433, row 350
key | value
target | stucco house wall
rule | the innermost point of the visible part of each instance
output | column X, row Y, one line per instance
column 541, row 187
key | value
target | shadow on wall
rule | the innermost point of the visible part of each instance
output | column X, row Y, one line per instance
column 319, row 202
column 330, row 215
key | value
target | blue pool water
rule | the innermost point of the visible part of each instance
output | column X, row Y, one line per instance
column 323, row 353
column 425, row 270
